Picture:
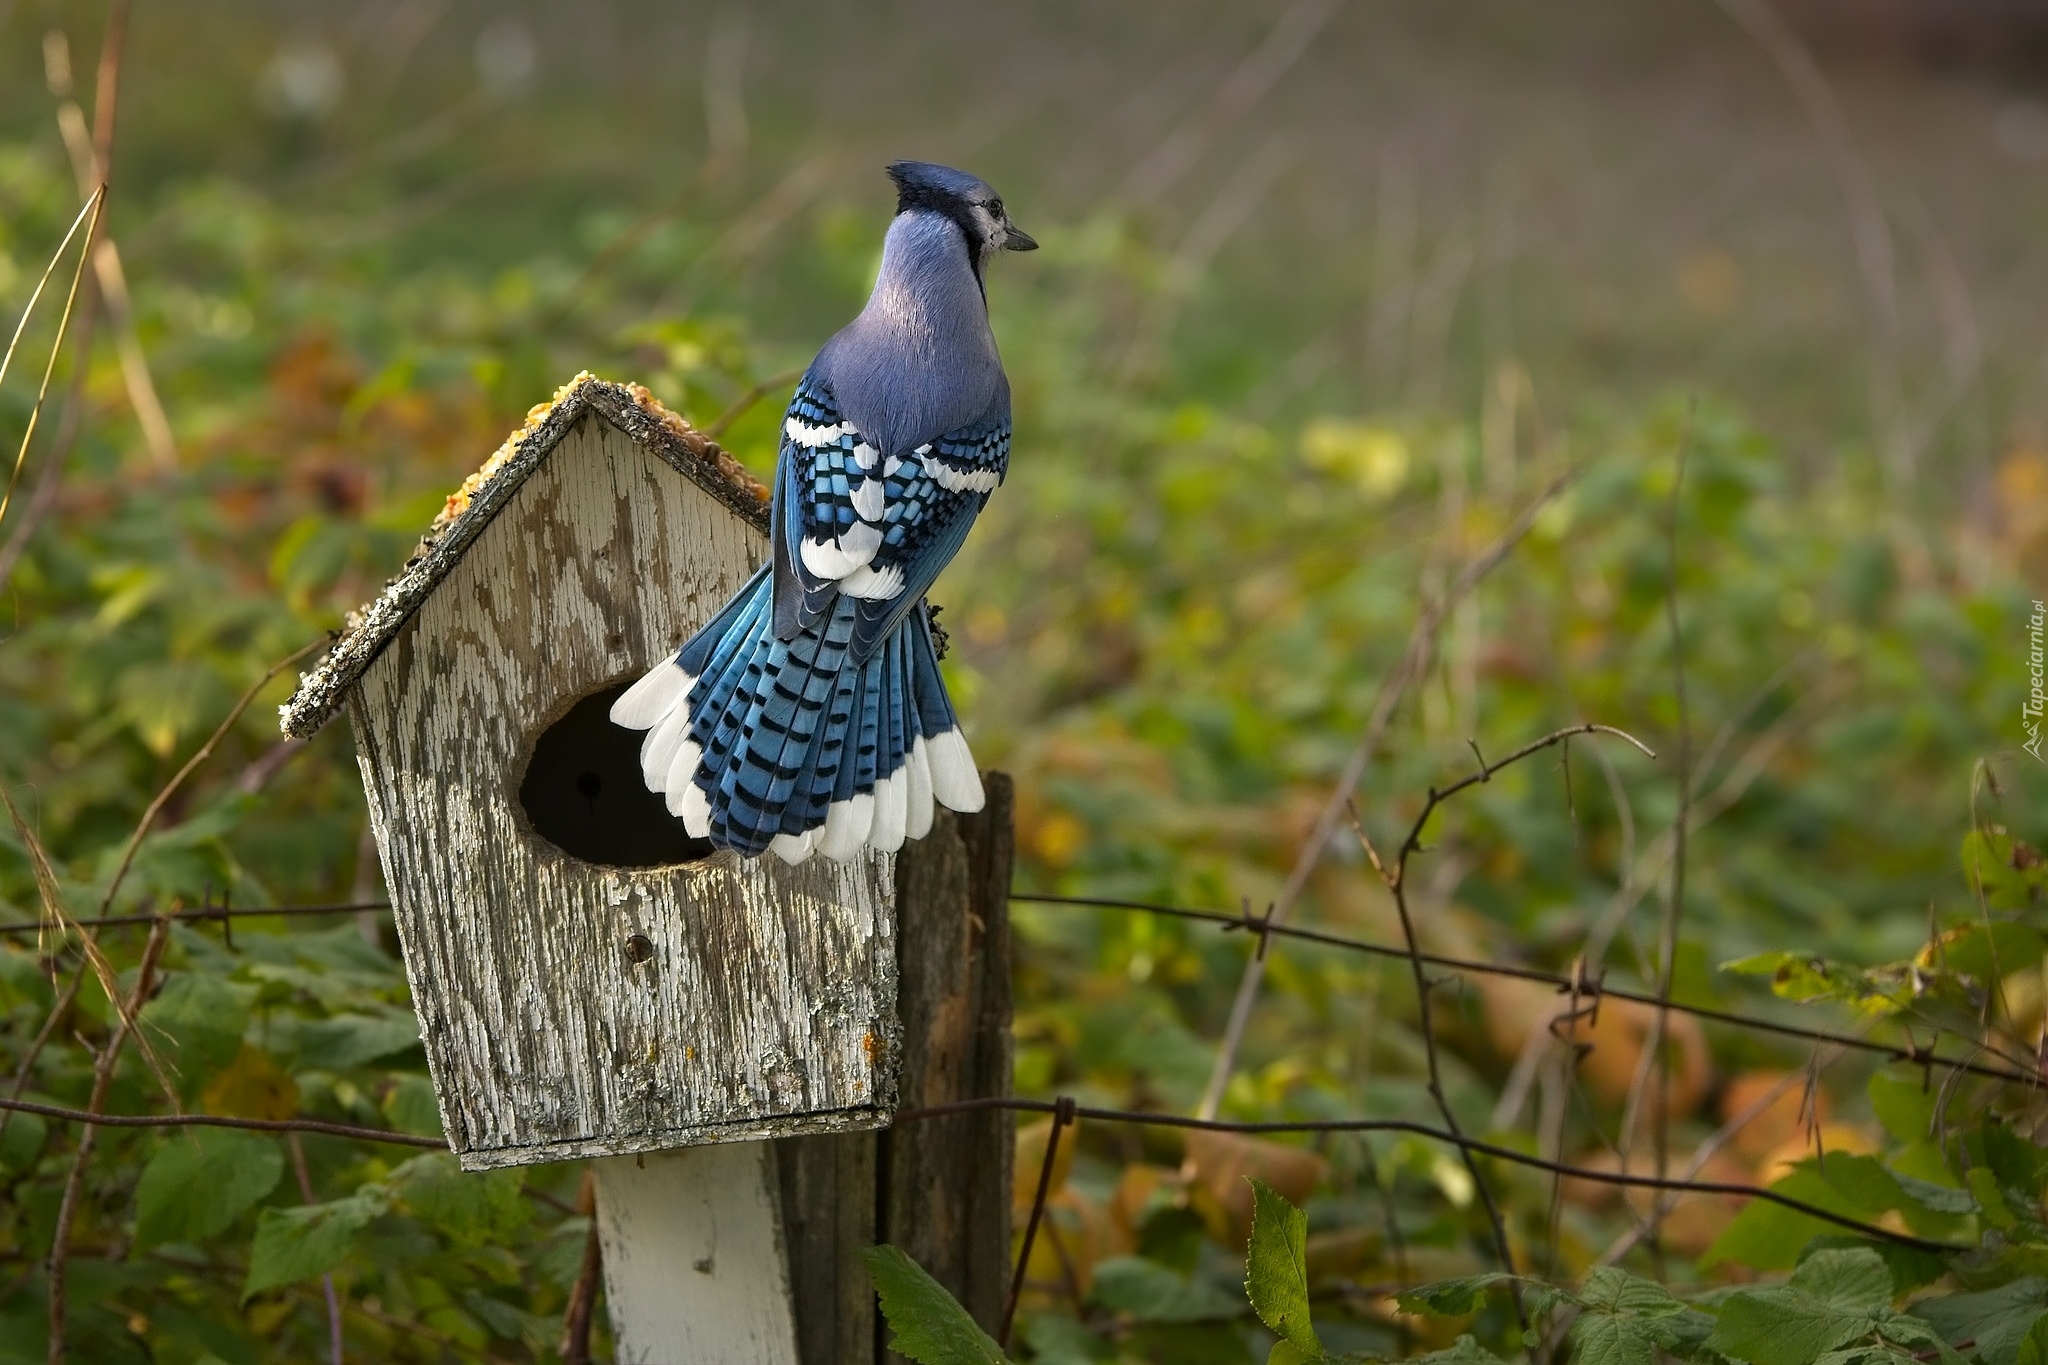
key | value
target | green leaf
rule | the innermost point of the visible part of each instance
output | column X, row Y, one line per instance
column 200, row 1181
column 1464, row 1351
column 21, row 1141
column 1610, row 1339
column 1768, row 1236
column 1448, row 1298
column 1609, row 1289
column 298, row 1243
column 1852, row 1279
column 2019, row 1163
column 197, row 1023
column 1056, row 1339
column 2007, row 873
column 412, row 1108
column 2033, row 1349
column 1935, row 1198
column 1997, row 1320
column 347, row 1040
column 1149, row 1292
column 926, row 1324
column 1917, row 1339
column 1873, row 1191
column 1276, row 1269
column 1628, row 1320
column 1904, row 1104
column 1990, row 1198
column 1991, row 952
column 1833, row 1298
column 469, row 1208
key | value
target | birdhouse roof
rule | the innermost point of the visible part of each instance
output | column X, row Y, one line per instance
column 470, row 508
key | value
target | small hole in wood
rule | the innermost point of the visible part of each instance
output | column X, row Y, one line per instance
column 639, row 948
column 583, row 792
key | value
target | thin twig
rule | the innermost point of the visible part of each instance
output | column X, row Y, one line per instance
column 50, row 1024
column 35, row 412
column 92, row 156
column 1396, row 879
column 103, row 1077
column 1414, row 660
column 199, row 756
column 1706, row 1152
column 739, row 406
column 1063, row 1112
column 577, row 1317
column 57, row 917
column 460, row 1350
column 1674, row 902
column 306, row 1195
column 87, row 211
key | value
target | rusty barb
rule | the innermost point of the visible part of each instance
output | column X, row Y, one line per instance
column 1261, row 925
column 1579, row 986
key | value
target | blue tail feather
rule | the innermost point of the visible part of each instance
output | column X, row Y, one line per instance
column 787, row 730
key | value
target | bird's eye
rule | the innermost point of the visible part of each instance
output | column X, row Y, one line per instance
column 995, row 206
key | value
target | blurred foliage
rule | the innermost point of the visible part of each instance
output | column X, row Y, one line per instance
column 1171, row 627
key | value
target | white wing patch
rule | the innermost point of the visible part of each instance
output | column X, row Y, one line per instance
column 878, row 585
column 809, row 437
column 835, row 559
column 961, row 481
column 867, row 499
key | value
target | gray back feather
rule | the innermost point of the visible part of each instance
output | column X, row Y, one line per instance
column 920, row 360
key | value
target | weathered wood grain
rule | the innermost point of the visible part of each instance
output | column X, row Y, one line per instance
column 693, row 1258
column 946, row 1198
column 828, row 1216
column 938, row 1188
column 764, row 1003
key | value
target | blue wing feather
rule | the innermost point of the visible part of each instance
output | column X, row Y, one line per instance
column 929, row 498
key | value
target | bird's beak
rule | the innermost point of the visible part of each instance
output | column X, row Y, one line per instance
column 1017, row 239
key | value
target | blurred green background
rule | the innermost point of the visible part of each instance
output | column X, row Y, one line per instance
column 1328, row 292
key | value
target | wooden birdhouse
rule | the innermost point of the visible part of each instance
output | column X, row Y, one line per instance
column 589, row 980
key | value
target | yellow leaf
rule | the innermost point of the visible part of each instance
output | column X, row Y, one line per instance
column 254, row 1087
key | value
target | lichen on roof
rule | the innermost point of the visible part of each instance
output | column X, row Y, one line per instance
column 628, row 407
column 458, row 501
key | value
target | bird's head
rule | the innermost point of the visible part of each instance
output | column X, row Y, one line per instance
column 971, row 203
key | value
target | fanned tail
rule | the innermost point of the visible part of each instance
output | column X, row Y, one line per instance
column 795, row 746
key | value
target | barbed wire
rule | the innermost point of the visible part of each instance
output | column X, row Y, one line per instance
column 1065, row 1110
column 347, row 1130
column 1586, row 987
column 1591, row 988
column 201, row 914
column 1065, row 1105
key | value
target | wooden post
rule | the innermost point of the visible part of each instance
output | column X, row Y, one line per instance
column 693, row 1261
column 937, row 1188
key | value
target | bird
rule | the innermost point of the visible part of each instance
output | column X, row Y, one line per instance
column 808, row 715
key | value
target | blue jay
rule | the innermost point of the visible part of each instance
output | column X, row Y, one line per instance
column 809, row 715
